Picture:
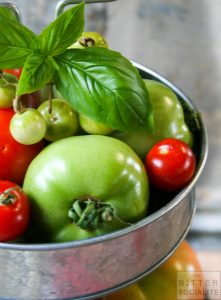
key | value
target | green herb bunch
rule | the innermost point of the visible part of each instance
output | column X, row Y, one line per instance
column 99, row 83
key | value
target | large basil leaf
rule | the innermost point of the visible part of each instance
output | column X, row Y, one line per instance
column 16, row 43
column 105, row 86
column 63, row 32
column 37, row 72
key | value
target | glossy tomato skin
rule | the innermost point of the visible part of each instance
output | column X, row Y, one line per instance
column 14, row 211
column 95, row 167
column 61, row 122
column 28, row 127
column 170, row 164
column 169, row 121
column 14, row 157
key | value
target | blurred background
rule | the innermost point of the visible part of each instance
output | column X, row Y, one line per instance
column 181, row 41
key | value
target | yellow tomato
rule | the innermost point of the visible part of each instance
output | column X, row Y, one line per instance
column 163, row 281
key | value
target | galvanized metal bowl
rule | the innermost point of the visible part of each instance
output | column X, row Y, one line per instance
column 91, row 268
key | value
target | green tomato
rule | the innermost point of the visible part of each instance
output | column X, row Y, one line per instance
column 7, row 90
column 168, row 113
column 85, row 186
column 140, row 142
column 93, row 127
column 28, row 127
column 61, row 122
column 169, row 121
column 90, row 39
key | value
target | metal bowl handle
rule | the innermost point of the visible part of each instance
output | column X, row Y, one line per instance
column 61, row 4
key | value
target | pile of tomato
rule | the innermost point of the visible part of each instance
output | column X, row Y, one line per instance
column 66, row 176
column 86, row 179
column 170, row 163
column 83, row 136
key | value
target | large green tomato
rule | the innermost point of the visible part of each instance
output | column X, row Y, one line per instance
column 84, row 186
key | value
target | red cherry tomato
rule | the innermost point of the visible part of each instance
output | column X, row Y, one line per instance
column 14, row 157
column 14, row 211
column 15, row 72
column 170, row 164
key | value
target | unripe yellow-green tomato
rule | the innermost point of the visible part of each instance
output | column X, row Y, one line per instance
column 28, row 127
column 93, row 127
column 61, row 119
column 90, row 39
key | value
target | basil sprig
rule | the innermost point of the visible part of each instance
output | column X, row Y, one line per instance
column 108, row 83
column 100, row 83
column 61, row 33
column 39, row 70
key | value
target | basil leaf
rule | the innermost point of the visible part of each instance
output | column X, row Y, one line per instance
column 104, row 86
column 37, row 72
column 63, row 32
column 7, row 14
column 16, row 43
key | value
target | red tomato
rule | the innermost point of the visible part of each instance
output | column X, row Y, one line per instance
column 16, row 72
column 14, row 211
column 14, row 157
column 170, row 164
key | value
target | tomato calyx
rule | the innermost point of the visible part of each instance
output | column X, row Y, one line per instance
column 7, row 197
column 90, row 213
column 87, row 42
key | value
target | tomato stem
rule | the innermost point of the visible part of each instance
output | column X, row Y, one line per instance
column 87, row 42
column 89, row 213
column 17, row 105
column 7, row 198
column 50, row 95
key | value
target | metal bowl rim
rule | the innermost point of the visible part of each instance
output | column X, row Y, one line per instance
column 145, row 221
